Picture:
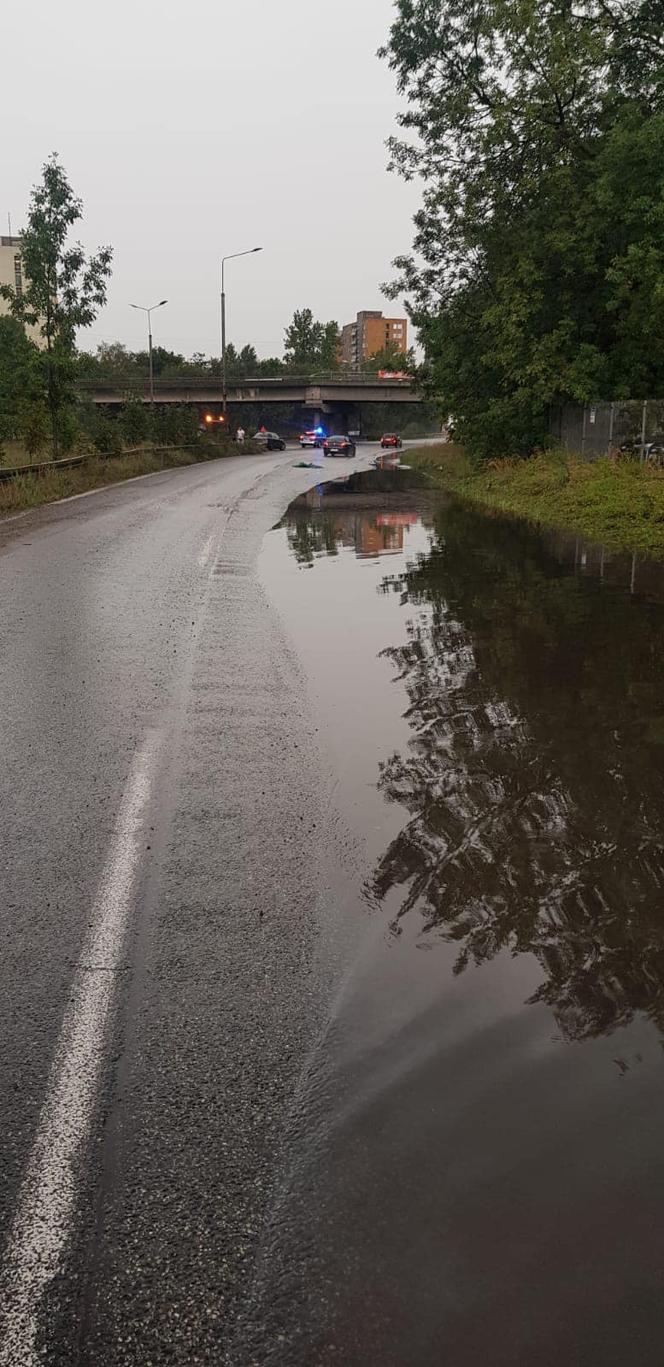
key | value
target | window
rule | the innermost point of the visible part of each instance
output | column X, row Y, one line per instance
column 18, row 275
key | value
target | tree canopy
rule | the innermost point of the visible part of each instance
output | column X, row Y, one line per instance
column 391, row 358
column 310, row 345
column 538, row 264
column 63, row 289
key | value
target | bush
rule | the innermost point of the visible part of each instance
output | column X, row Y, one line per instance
column 173, row 425
column 134, row 423
column 69, row 430
column 106, row 435
column 34, row 428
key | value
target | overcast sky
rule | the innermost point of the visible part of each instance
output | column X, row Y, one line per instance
column 195, row 130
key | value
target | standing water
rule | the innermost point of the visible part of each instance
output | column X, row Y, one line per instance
column 478, row 1171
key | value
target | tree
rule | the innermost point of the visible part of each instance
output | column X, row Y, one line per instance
column 21, row 380
column 329, row 350
column 248, row 362
column 537, row 278
column 134, row 422
column 63, row 289
column 390, row 358
column 270, row 365
column 309, row 345
column 164, row 362
column 33, row 427
column 114, row 358
column 240, row 364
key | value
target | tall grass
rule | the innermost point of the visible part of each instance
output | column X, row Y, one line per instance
column 29, row 491
column 617, row 502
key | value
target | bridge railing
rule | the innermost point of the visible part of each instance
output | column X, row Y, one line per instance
column 204, row 380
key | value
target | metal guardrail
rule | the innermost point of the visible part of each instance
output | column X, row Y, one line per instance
column 38, row 468
column 43, row 467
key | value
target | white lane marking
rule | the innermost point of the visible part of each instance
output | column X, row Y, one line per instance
column 47, row 1199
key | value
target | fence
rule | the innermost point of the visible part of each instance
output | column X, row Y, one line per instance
column 596, row 430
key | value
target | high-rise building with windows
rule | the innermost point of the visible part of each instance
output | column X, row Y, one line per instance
column 12, row 273
column 369, row 334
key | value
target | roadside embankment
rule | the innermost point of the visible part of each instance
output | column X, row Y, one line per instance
column 46, row 486
column 616, row 502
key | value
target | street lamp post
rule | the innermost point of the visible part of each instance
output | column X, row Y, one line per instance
column 224, row 259
column 149, row 311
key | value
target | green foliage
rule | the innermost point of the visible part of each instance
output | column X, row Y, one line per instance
column 409, row 420
column 21, row 378
column 539, row 274
column 31, row 490
column 618, row 503
column 171, row 424
column 134, row 423
column 68, row 427
column 111, row 358
column 310, row 346
column 164, row 362
column 63, row 289
column 270, row 365
column 390, row 358
column 106, row 434
column 240, row 364
column 34, row 428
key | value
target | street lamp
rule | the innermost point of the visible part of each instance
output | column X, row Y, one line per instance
column 142, row 309
column 224, row 259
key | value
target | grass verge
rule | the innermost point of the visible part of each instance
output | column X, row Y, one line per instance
column 615, row 502
column 29, row 491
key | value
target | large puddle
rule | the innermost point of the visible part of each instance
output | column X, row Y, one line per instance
column 480, row 1178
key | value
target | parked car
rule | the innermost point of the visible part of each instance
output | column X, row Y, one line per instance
column 313, row 438
column 631, row 446
column 339, row 446
column 271, row 441
column 651, row 450
column 391, row 439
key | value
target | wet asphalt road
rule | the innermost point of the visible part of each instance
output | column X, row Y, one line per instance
column 134, row 632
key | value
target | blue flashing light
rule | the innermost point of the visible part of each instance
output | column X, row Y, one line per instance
column 319, row 431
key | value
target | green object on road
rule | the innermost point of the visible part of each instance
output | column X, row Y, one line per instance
column 305, row 465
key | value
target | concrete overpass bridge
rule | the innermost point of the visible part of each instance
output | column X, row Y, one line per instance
column 337, row 395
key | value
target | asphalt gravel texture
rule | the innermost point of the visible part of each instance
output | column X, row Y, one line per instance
column 137, row 610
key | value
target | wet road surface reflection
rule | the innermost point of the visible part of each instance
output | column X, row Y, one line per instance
column 480, row 1171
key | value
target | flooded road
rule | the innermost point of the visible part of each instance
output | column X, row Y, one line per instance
column 478, row 1162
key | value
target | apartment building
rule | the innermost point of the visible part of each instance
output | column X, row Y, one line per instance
column 12, row 273
column 369, row 334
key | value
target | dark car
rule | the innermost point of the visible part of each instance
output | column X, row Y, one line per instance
column 271, row 441
column 339, row 446
column 391, row 439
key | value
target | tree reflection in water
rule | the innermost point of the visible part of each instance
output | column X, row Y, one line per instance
column 534, row 776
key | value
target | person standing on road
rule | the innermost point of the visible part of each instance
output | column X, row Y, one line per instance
column 239, row 435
